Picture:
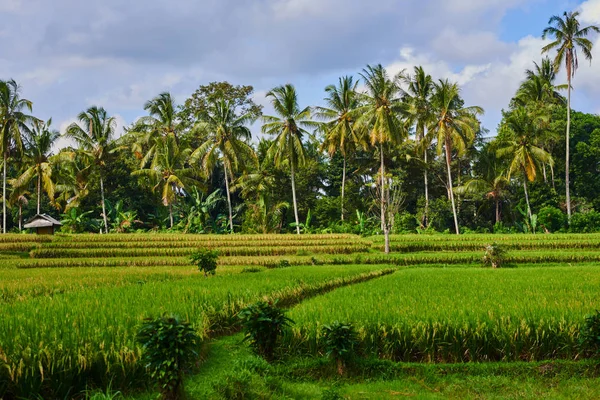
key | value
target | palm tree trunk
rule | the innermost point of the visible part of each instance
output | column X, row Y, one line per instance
column 426, row 179
column 103, row 205
column 527, row 199
column 450, row 191
column 39, row 191
column 343, row 186
column 4, row 195
column 386, row 231
column 552, row 177
column 567, row 157
column 20, row 217
column 171, row 214
column 497, row 210
column 294, row 198
column 228, row 199
column 544, row 171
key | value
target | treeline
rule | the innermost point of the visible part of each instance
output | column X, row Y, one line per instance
column 384, row 154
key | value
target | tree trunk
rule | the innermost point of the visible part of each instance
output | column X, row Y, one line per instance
column 544, row 171
column 450, row 191
column 39, row 190
column 497, row 210
column 20, row 217
column 103, row 205
column 527, row 198
column 228, row 199
column 386, row 231
column 294, row 198
column 567, row 139
column 426, row 179
column 343, row 186
column 171, row 214
column 4, row 195
column 552, row 177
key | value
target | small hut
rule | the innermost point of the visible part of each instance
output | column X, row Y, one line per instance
column 43, row 224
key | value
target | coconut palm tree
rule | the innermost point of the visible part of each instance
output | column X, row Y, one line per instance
column 289, row 128
column 538, row 89
column 338, row 127
column 380, row 120
column 38, row 148
column 169, row 171
column 94, row 134
column 419, row 88
column 227, row 142
column 524, row 130
column 72, row 170
column 14, row 122
column 568, row 37
column 454, row 126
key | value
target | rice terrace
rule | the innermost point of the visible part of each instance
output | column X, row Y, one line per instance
column 416, row 216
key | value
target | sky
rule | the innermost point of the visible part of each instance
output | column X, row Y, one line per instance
column 68, row 55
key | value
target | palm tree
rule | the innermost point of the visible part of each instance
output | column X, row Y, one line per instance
column 37, row 155
column 72, row 171
column 288, row 127
column 94, row 135
column 538, row 89
column 13, row 124
column 340, row 136
column 227, row 142
column 169, row 171
column 524, row 130
column 455, row 127
column 420, row 113
column 568, row 38
column 380, row 119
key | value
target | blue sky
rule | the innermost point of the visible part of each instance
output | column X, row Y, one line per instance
column 69, row 54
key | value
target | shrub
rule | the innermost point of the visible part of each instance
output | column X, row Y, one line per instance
column 252, row 270
column 263, row 323
column 552, row 219
column 340, row 340
column 585, row 222
column 205, row 260
column 405, row 223
column 494, row 256
column 591, row 335
column 283, row 264
column 169, row 348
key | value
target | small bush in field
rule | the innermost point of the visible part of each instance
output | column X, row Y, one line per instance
column 591, row 335
column 340, row 341
column 205, row 260
column 494, row 256
column 263, row 323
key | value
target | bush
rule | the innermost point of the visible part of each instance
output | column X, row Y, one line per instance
column 205, row 260
column 585, row 222
column 251, row 270
column 405, row 223
column 169, row 349
column 494, row 256
column 552, row 219
column 284, row 264
column 340, row 341
column 591, row 335
column 263, row 323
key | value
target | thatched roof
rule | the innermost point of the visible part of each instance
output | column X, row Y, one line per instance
column 41, row 221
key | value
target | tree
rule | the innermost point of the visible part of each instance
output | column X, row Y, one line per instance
column 288, row 127
column 94, row 134
column 455, row 127
column 38, row 148
column 523, row 130
column 338, row 128
column 568, row 38
column 420, row 114
column 380, row 119
column 13, row 124
column 226, row 142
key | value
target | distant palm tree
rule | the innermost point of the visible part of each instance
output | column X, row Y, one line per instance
column 455, row 127
column 94, row 134
column 13, row 124
column 379, row 119
column 568, row 38
column 338, row 128
column 227, row 142
column 539, row 89
column 524, row 129
column 288, row 127
column 72, row 171
column 420, row 114
column 38, row 148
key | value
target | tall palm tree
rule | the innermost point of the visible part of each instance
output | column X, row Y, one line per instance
column 38, row 148
column 288, row 127
column 455, row 127
column 568, row 37
column 227, row 142
column 524, row 130
column 338, row 128
column 72, row 171
column 94, row 134
column 380, row 120
column 169, row 171
column 420, row 113
column 14, row 122
column 538, row 89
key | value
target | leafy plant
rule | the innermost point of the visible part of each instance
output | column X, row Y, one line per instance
column 494, row 256
column 263, row 323
column 205, row 260
column 590, row 337
column 169, row 348
column 340, row 341
column 283, row 264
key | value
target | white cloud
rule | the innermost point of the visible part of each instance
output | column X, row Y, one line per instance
column 590, row 12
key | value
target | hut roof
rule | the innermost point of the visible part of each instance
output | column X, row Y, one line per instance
column 41, row 221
